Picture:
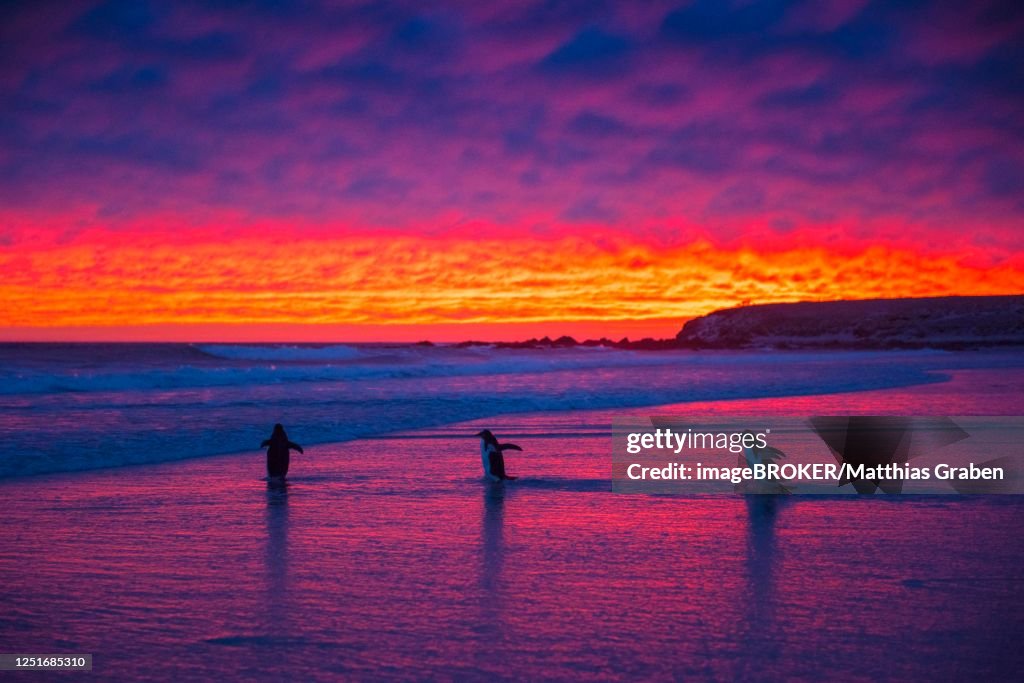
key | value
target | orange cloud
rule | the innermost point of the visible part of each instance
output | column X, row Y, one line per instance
column 423, row 281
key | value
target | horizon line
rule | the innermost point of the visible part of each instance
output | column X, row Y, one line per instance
column 512, row 332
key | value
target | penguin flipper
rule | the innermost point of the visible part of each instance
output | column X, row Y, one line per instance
column 509, row 447
column 295, row 447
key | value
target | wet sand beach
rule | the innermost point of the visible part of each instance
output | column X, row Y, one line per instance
column 390, row 558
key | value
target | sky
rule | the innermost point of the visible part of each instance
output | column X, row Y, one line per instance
column 497, row 170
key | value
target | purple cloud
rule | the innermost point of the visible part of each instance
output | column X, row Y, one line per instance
column 390, row 114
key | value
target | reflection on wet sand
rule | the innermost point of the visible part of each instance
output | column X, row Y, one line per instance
column 760, row 640
column 493, row 537
column 276, row 559
column 492, row 563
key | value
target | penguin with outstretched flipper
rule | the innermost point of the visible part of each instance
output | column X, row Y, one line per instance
column 278, row 454
column 491, row 456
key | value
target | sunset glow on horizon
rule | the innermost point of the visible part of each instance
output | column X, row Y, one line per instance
column 435, row 285
column 384, row 172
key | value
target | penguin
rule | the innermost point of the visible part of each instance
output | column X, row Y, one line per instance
column 490, row 454
column 277, row 454
column 760, row 455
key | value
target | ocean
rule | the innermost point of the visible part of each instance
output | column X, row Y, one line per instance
column 68, row 407
column 387, row 557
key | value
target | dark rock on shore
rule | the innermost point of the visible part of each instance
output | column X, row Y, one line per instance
column 958, row 322
column 952, row 322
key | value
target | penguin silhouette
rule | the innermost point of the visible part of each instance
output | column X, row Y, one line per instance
column 490, row 454
column 278, row 455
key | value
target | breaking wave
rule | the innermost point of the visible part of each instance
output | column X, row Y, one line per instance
column 74, row 407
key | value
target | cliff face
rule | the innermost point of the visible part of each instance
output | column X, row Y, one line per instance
column 941, row 322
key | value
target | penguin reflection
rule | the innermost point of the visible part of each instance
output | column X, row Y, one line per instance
column 276, row 556
column 760, row 646
column 491, row 625
column 493, row 538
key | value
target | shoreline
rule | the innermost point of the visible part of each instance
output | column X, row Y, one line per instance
column 804, row 403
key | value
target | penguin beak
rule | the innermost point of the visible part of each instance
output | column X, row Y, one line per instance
column 479, row 434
